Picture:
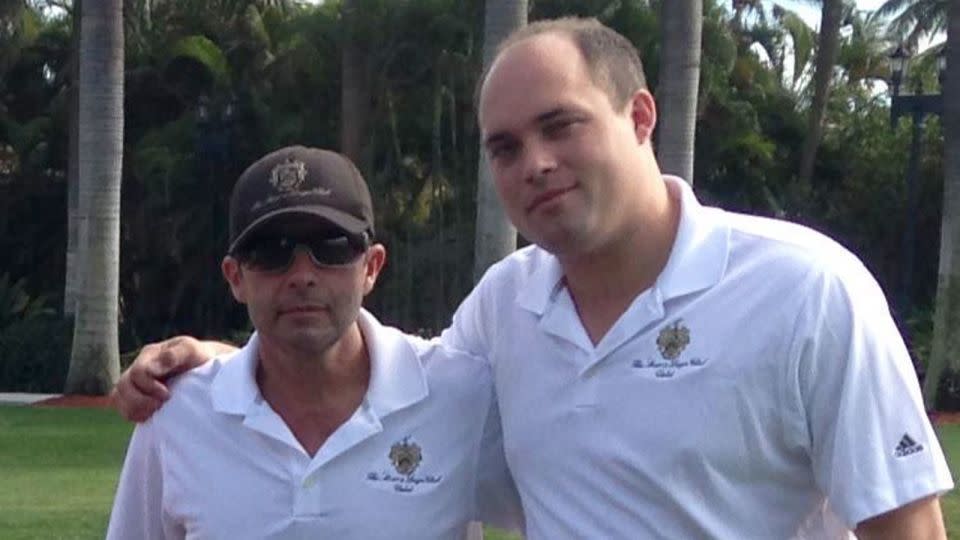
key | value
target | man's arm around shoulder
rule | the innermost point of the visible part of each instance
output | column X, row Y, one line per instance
column 141, row 389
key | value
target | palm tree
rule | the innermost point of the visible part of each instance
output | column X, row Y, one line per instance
column 864, row 57
column 95, row 358
column 495, row 235
column 741, row 8
column 355, row 97
column 946, row 321
column 72, row 273
column 828, row 45
column 914, row 20
column 803, row 44
column 681, row 22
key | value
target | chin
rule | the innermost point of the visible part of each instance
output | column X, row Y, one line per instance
column 313, row 342
column 561, row 243
column 549, row 243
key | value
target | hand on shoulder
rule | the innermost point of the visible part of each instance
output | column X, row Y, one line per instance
column 141, row 389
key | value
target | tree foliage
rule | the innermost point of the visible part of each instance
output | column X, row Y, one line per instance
column 913, row 20
column 212, row 86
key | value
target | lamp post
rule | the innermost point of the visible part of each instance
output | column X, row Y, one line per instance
column 215, row 118
column 917, row 105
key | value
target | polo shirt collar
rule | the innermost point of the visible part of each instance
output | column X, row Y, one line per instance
column 697, row 260
column 544, row 284
column 397, row 379
column 699, row 255
column 234, row 388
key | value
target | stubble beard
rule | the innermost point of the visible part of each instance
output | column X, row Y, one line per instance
column 314, row 341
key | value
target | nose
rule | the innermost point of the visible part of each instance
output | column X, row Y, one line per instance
column 302, row 271
column 539, row 160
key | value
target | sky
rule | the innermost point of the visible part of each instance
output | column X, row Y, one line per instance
column 810, row 11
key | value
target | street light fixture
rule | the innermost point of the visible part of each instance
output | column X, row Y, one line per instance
column 917, row 106
column 215, row 122
column 941, row 66
column 898, row 60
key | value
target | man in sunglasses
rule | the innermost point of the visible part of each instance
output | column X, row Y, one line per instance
column 326, row 424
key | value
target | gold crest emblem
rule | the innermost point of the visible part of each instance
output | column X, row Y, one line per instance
column 405, row 456
column 288, row 176
column 673, row 339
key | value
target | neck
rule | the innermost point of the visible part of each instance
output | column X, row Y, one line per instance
column 310, row 377
column 605, row 281
column 315, row 393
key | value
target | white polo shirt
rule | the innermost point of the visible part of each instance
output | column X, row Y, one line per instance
column 217, row 462
column 759, row 377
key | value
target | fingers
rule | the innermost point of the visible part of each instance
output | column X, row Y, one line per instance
column 132, row 404
column 141, row 389
column 159, row 361
column 179, row 354
column 147, row 380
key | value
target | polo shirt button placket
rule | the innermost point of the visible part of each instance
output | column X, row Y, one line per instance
column 585, row 384
column 307, row 500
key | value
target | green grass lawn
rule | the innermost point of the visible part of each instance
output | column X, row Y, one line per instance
column 59, row 467
column 58, row 471
column 950, row 439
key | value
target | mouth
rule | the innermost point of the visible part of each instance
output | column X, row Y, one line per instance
column 306, row 309
column 547, row 197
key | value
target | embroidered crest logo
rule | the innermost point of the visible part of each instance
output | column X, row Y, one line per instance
column 288, row 176
column 398, row 472
column 405, row 456
column 673, row 339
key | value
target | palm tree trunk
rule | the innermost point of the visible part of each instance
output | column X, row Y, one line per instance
column 72, row 273
column 827, row 49
column 440, row 313
column 495, row 236
column 946, row 321
column 354, row 90
column 95, row 358
column 681, row 24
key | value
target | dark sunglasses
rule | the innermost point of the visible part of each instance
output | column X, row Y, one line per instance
column 275, row 253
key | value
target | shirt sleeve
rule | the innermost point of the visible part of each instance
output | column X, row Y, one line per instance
column 467, row 332
column 871, row 444
column 138, row 505
column 498, row 502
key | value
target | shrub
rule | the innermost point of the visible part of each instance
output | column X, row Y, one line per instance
column 948, row 391
column 16, row 304
column 35, row 354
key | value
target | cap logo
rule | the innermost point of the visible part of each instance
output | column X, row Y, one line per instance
column 288, row 176
column 288, row 179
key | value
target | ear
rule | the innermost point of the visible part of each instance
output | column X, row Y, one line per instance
column 643, row 113
column 373, row 262
column 233, row 274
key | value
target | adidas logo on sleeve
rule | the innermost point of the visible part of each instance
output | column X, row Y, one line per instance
column 907, row 446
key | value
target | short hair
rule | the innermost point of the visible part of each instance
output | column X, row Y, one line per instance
column 612, row 60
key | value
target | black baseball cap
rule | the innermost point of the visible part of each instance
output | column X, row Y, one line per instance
column 300, row 180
